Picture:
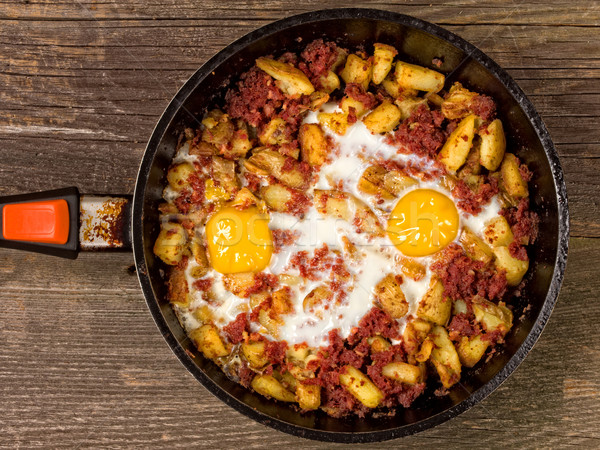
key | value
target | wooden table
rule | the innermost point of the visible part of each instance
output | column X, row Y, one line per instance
column 82, row 84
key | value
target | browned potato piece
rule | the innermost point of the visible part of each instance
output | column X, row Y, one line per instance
column 515, row 268
column 279, row 197
column 402, row 372
column 318, row 99
column 493, row 317
column 308, row 396
column 316, row 300
column 497, row 233
column 268, row 386
column 412, row 269
column 383, row 56
column 199, row 254
column 407, row 105
column 347, row 207
column 361, row 387
column 208, row 341
column 410, row 76
column 357, row 70
column 240, row 284
column 513, row 182
column 254, row 352
column 223, row 171
column 240, row 142
column 391, row 297
column 291, row 81
column 456, row 149
column 281, row 302
column 348, row 102
column 336, row 122
column 329, row 82
column 434, row 306
column 179, row 174
column 314, row 147
column 170, row 243
column 177, row 285
column 372, row 182
column 277, row 165
column 471, row 349
column 218, row 128
column 378, row 344
column 395, row 182
column 457, row 103
column 493, row 145
column 444, row 357
column 475, row 247
column 383, row 119
column 274, row 133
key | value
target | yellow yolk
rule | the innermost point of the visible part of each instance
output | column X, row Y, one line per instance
column 239, row 240
column 423, row 222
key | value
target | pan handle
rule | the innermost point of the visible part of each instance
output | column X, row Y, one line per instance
column 62, row 222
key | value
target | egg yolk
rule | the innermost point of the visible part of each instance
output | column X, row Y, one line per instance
column 423, row 222
column 239, row 240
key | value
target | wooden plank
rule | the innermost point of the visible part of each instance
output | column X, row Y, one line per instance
column 580, row 12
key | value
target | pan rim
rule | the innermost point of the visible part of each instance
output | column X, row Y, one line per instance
column 473, row 52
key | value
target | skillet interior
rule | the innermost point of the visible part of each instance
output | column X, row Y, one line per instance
column 417, row 42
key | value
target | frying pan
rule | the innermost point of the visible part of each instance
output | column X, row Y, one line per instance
column 109, row 223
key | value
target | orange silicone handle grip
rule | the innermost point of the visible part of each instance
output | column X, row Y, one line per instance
column 43, row 221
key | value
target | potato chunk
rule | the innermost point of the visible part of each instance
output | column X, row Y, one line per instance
column 287, row 171
column 281, row 198
column 178, row 175
column 456, row 148
column 493, row 317
column 512, row 181
column 402, row 372
column 209, row 342
column 336, row 122
column 372, row 182
column 361, row 387
column 515, row 268
column 268, row 386
column 314, row 147
column 444, row 357
column 347, row 207
column 291, row 81
column 254, row 352
column 383, row 56
column 390, row 296
column 274, row 133
column 357, row 70
column 170, row 243
column 471, row 349
column 497, row 233
column 383, row 119
column 493, row 145
column 475, row 247
column 410, row 76
column 308, row 396
column 434, row 306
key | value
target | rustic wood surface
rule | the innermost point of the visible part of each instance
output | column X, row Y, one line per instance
column 82, row 84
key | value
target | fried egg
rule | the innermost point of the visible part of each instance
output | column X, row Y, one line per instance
column 423, row 222
column 239, row 240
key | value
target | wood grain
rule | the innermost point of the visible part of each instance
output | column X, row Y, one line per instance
column 82, row 84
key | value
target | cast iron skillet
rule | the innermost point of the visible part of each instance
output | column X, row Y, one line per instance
column 418, row 42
